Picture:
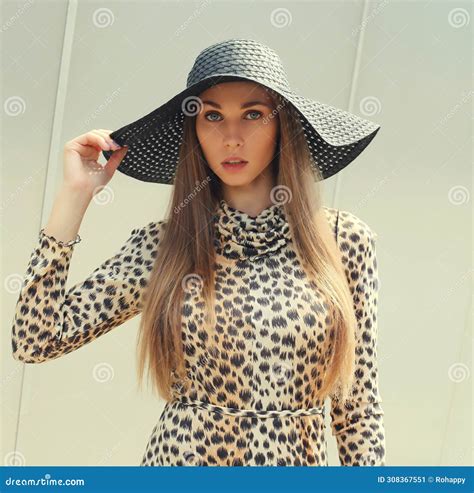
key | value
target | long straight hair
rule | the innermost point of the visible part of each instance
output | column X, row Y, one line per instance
column 186, row 255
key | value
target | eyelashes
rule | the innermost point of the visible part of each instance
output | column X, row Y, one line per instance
column 216, row 113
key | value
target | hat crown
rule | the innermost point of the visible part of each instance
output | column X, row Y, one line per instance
column 334, row 136
column 245, row 58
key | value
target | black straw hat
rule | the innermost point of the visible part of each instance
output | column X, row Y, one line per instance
column 335, row 137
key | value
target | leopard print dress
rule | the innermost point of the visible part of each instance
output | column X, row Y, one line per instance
column 249, row 397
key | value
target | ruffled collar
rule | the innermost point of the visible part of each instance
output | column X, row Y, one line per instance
column 241, row 236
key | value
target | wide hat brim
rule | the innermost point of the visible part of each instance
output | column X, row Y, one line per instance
column 335, row 137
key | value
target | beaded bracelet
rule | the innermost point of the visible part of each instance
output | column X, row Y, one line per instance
column 60, row 242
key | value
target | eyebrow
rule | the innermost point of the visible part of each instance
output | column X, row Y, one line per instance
column 244, row 105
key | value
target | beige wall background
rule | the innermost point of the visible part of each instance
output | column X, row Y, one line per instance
column 69, row 67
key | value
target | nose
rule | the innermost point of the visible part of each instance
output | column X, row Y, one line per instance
column 231, row 134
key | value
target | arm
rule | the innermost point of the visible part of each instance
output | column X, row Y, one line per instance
column 50, row 321
column 359, row 426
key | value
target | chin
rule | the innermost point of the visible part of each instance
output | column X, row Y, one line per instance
column 239, row 180
column 235, row 182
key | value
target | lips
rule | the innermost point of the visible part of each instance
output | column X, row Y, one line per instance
column 234, row 167
column 234, row 160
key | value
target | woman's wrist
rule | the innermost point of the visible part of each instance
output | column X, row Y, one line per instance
column 68, row 210
column 74, row 194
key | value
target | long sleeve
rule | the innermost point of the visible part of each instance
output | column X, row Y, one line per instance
column 359, row 425
column 50, row 321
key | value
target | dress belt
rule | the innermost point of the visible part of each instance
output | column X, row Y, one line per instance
column 250, row 413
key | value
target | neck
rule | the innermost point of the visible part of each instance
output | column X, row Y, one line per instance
column 242, row 236
column 254, row 197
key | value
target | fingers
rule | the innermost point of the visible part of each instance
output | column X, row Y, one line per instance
column 112, row 164
column 99, row 139
column 105, row 134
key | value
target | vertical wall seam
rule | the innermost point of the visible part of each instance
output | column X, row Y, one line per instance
column 353, row 89
column 354, row 80
column 54, row 166
column 463, row 356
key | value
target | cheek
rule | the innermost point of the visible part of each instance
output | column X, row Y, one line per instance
column 204, row 136
column 265, row 138
column 200, row 133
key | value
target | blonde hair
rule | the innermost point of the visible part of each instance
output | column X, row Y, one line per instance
column 190, row 230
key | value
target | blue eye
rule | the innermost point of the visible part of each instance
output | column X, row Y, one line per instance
column 258, row 113
column 210, row 113
column 254, row 111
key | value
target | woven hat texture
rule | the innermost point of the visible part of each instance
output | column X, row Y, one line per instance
column 335, row 137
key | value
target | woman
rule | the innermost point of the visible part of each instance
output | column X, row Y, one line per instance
column 257, row 302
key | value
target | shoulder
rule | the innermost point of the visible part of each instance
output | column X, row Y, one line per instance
column 151, row 229
column 352, row 231
column 146, row 236
column 331, row 216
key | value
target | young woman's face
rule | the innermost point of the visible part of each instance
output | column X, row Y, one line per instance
column 237, row 120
